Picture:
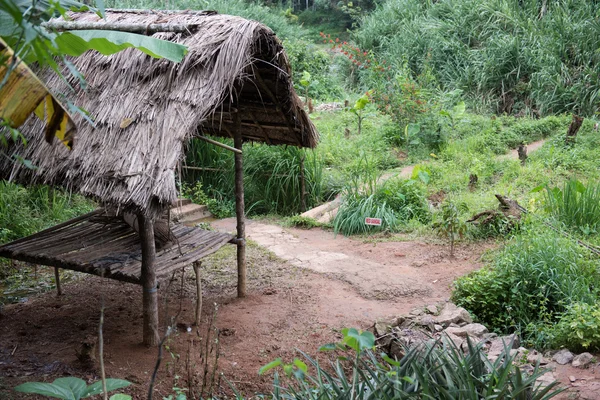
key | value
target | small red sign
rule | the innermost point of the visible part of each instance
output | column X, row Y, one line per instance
column 373, row 221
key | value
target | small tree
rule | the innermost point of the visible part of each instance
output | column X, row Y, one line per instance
column 358, row 109
column 450, row 225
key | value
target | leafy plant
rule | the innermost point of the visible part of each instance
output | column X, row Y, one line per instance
column 578, row 328
column 434, row 370
column 71, row 388
column 450, row 223
column 358, row 109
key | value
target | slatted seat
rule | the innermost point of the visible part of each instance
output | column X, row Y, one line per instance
column 105, row 245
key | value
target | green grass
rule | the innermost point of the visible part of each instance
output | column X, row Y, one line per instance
column 24, row 211
column 530, row 284
column 576, row 205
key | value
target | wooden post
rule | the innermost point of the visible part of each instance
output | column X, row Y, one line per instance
column 239, row 208
column 197, row 265
column 57, row 278
column 150, row 295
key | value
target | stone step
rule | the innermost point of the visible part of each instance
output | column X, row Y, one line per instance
column 190, row 212
column 181, row 202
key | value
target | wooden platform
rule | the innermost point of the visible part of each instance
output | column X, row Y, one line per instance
column 104, row 245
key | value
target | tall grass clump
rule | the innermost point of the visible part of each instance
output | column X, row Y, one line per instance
column 272, row 176
column 395, row 201
column 273, row 179
column 575, row 205
column 530, row 284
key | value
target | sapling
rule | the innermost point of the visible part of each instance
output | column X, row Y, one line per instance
column 358, row 109
column 450, row 224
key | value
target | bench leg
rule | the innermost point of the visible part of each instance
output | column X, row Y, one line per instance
column 197, row 265
column 57, row 277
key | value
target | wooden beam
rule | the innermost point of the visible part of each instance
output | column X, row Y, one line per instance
column 260, row 128
column 149, row 286
column 264, row 87
column 239, row 209
column 220, row 144
column 142, row 29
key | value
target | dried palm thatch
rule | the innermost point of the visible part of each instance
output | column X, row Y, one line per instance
column 145, row 110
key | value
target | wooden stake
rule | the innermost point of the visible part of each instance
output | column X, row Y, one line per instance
column 57, row 278
column 239, row 208
column 150, row 295
column 197, row 266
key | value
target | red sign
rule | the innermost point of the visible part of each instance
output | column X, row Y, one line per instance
column 373, row 221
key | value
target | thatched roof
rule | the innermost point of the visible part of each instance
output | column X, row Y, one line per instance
column 233, row 64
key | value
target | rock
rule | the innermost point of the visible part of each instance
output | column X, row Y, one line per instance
column 431, row 309
column 452, row 314
column 416, row 312
column 563, row 357
column 397, row 350
column 572, row 378
column 438, row 328
column 535, row 357
column 545, row 379
column 498, row 344
column 474, row 331
column 457, row 340
column 428, row 322
column 383, row 327
column 582, row 360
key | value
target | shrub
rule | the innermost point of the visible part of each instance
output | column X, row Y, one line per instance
column 575, row 205
column 532, row 281
column 407, row 198
column 578, row 328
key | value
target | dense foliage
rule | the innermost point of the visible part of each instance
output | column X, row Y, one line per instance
column 530, row 284
column 518, row 57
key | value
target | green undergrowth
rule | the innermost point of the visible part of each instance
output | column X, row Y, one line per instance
column 24, row 211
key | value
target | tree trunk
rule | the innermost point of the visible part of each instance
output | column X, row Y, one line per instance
column 573, row 129
column 239, row 208
column 150, row 295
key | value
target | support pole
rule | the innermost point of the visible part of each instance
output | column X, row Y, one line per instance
column 150, row 295
column 197, row 266
column 57, row 278
column 239, row 208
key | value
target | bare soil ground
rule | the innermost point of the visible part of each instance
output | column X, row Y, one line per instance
column 304, row 286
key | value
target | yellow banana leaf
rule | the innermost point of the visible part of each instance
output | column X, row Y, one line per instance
column 23, row 93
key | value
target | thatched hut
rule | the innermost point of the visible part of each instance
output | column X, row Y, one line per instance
column 234, row 82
